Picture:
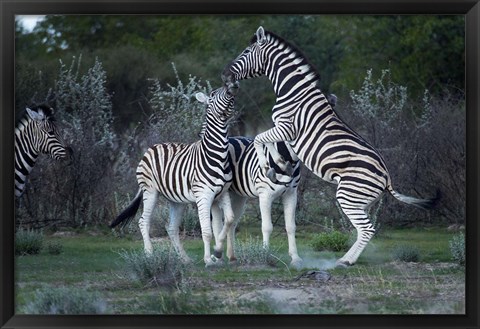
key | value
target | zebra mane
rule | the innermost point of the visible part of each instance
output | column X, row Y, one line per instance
column 45, row 108
column 293, row 47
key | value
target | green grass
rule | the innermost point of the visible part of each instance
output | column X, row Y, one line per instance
column 93, row 263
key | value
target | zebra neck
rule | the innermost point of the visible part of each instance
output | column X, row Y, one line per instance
column 290, row 72
column 25, row 154
column 215, row 136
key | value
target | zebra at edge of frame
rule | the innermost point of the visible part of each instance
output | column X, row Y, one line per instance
column 251, row 182
column 322, row 141
column 35, row 133
column 184, row 173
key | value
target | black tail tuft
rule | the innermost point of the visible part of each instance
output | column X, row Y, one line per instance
column 127, row 215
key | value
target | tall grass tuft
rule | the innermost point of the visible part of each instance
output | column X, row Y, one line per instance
column 457, row 248
column 162, row 268
column 66, row 301
column 406, row 253
column 28, row 242
column 252, row 252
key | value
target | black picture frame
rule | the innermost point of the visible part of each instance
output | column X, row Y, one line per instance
column 8, row 10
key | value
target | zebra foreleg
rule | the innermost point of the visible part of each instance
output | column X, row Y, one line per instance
column 276, row 134
column 150, row 199
column 173, row 229
column 204, row 205
column 265, row 201
column 289, row 200
column 226, row 205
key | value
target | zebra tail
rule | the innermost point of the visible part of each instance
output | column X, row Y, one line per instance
column 420, row 203
column 127, row 215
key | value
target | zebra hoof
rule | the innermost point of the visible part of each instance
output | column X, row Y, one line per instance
column 217, row 254
column 271, row 175
column 296, row 263
column 288, row 168
column 233, row 259
column 343, row 264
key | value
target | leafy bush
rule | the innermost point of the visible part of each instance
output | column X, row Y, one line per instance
column 66, row 301
column 406, row 253
column 28, row 242
column 162, row 268
column 331, row 241
column 252, row 252
column 457, row 248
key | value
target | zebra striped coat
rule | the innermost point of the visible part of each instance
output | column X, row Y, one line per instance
column 186, row 173
column 250, row 182
column 36, row 133
column 325, row 144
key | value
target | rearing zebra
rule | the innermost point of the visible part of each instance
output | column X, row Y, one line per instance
column 185, row 173
column 36, row 133
column 251, row 182
column 326, row 145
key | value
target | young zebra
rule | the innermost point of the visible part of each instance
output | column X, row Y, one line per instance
column 185, row 173
column 250, row 182
column 325, row 144
column 36, row 133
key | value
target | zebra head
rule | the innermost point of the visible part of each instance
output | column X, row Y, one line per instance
column 44, row 134
column 220, row 103
column 251, row 62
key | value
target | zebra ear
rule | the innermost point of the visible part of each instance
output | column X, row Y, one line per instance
column 260, row 35
column 201, row 97
column 34, row 115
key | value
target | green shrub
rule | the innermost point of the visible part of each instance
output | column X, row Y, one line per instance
column 331, row 241
column 28, row 242
column 65, row 301
column 457, row 248
column 54, row 248
column 163, row 267
column 252, row 252
column 406, row 253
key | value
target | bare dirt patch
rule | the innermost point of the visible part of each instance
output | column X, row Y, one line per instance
column 393, row 288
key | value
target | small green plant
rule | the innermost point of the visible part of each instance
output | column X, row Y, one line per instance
column 65, row 301
column 54, row 248
column 163, row 267
column 457, row 248
column 406, row 253
column 331, row 241
column 28, row 242
column 252, row 252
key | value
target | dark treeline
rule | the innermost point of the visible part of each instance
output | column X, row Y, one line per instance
column 422, row 52
column 399, row 82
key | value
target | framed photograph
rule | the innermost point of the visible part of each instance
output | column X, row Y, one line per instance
column 224, row 164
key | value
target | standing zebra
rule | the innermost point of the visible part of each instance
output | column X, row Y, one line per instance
column 36, row 133
column 251, row 182
column 325, row 144
column 185, row 173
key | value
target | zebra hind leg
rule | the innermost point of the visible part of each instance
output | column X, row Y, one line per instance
column 149, row 201
column 173, row 229
column 365, row 231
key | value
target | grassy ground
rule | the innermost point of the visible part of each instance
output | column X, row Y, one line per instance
column 375, row 285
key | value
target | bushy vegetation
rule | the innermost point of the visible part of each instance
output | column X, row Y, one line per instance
column 457, row 248
column 406, row 253
column 28, row 242
column 161, row 268
column 251, row 251
column 63, row 301
column 54, row 248
column 331, row 241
